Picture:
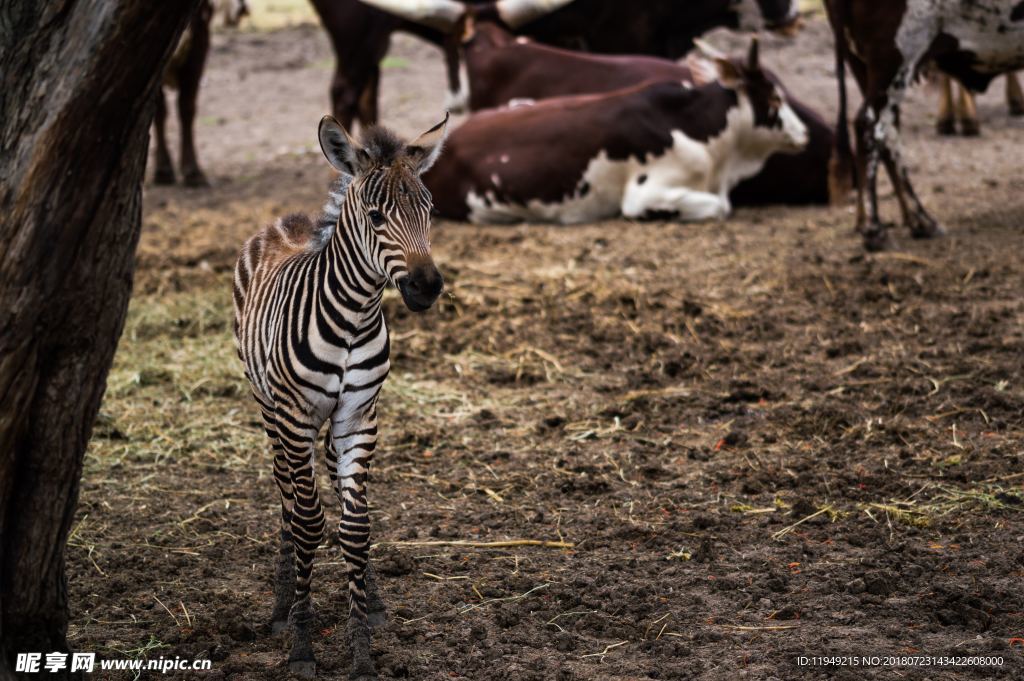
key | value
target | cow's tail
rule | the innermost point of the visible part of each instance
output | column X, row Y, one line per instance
column 841, row 175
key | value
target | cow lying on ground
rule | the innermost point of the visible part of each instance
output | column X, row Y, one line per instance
column 360, row 32
column 183, row 73
column 964, row 110
column 502, row 68
column 657, row 150
column 885, row 44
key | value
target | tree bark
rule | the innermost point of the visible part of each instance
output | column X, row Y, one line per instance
column 77, row 85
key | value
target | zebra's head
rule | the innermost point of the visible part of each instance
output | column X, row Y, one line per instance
column 387, row 209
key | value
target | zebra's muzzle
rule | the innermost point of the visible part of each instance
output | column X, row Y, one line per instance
column 421, row 287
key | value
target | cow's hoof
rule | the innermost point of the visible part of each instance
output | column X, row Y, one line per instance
column 304, row 668
column 1017, row 110
column 946, row 127
column 970, row 127
column 876, row 238
column 195, row 179
column 926, row 228
column 163, row 176
column 278, row 627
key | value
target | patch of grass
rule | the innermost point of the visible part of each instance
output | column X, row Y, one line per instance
column 393, row 63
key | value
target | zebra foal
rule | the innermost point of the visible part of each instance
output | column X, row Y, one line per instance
column 311, row 334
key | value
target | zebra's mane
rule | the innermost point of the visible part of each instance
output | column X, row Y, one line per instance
column 328, row 218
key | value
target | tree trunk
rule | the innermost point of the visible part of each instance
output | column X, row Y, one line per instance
column 77, row 79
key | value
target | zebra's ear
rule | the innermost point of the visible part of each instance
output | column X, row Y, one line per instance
column 425, row 149
column 342, row 152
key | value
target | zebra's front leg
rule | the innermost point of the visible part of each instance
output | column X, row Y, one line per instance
column 307, row 531
column 354, row 441
column 376, row 611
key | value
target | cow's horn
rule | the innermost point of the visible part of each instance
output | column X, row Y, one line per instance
column 516, row 13
column 440, row 14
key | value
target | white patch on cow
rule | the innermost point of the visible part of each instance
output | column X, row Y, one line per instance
column 504, row 158
column 523, row 40
column 982, row 27
column 517, row 102
column 603, row 178
column 496, row 180
column 690, row 179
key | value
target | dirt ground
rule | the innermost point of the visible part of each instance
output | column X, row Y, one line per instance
column 760, row 442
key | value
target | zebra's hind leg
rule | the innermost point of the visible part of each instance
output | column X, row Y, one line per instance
column 284, row 569
column 307, row 531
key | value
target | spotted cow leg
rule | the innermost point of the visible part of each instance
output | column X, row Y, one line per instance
column 874, row 232
column 354, row 435
column 297, row 437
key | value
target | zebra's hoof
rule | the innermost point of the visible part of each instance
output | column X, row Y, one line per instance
column 377, row 618
column 304, row 668
column 278, row 627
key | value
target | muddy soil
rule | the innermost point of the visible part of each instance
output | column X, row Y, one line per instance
column 759, row 442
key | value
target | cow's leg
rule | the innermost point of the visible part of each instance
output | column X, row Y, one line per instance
column 188, row 93
column 297, row 439
column 946, row 124
column 369, row 98
column 164, row 173
column 354, row 435
column 874, row 232
column 646, row 198
column 967, row 112
column 886, row 135
column 1014, row 95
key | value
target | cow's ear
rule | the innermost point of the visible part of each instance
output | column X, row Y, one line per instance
column 729, row 74
column 342, row 152
column 425, row 149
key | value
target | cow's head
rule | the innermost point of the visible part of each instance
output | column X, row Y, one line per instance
column 775, row 126
column 781, row 16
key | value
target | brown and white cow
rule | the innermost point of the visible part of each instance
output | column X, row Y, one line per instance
column 658, row 150
column 885, row 44
column 503, row 68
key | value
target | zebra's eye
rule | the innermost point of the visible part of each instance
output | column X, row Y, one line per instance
column 376, row 217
